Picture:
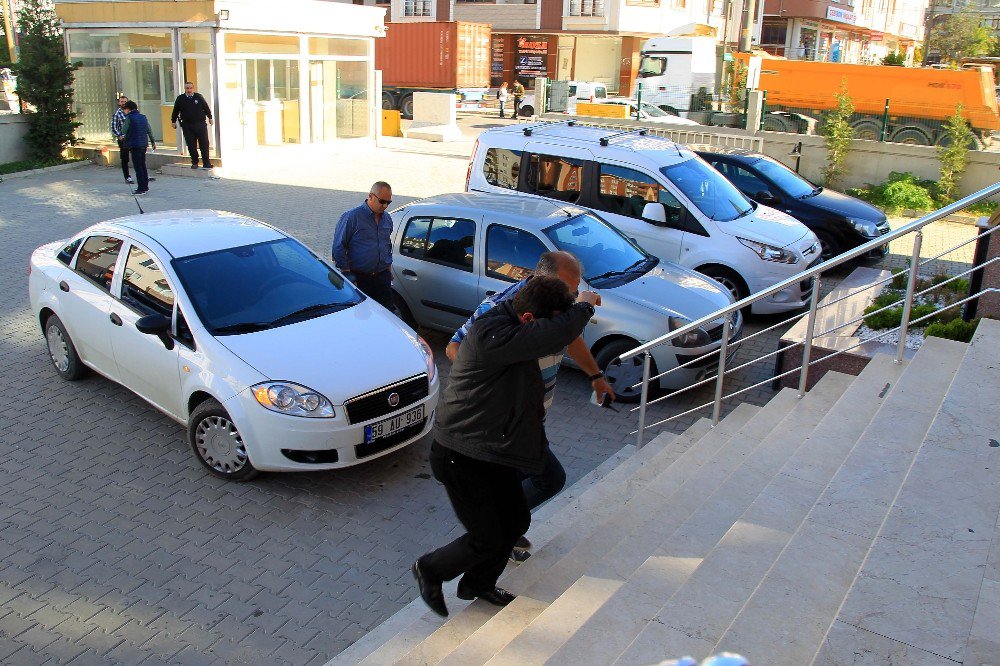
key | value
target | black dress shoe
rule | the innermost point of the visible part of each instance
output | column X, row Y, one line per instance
column 518, row 555
column 497, row 596
column 522, row 542
column 430, row 592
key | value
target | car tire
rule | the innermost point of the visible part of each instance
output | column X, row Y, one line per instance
column 829, row 248
column 621, row 376
column 403, row 311
column 406, row 107
column 62, row 352
column 527, row 111
column 728, row 279
column 217, row 443
column 911, row 136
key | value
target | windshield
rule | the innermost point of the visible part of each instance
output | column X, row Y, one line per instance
column 707, row 189
column 652, row 66
column 787, row 180
column 256, row 287
column 607, row 255
column 653, row 111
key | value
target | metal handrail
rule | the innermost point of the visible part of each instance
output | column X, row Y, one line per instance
column 812, row 274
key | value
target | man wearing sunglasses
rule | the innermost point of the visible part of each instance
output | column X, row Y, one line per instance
column 362, row 248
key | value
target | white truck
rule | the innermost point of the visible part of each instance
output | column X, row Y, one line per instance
column 672, row 69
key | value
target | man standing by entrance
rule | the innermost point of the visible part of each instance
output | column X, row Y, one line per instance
column 193, row 111
column 137, row 132
column 118, row 132
column 362, row 248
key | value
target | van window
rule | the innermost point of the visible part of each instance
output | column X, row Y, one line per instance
column 708, row 190
column 442, row 241
column 555, row 177
column 600, row 92
column 511, row 254
column 625, row 191
column 502, row 167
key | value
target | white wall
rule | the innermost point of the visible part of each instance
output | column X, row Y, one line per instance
column 503, row 16
column 597, row 59
column 298, row 15
column 13, row 127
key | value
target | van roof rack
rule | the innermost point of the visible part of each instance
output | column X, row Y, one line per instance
column 531, row 128
column 606, row 139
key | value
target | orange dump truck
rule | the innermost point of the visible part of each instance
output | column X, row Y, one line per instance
column 921, row 99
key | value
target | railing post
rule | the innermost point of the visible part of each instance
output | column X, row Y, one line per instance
column 885, row 122
column 908, row 301
column 643, row 398
column 717, row 407
column 638, row 100
column 807, row 343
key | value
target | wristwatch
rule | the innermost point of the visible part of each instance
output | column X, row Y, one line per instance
column 595, row 377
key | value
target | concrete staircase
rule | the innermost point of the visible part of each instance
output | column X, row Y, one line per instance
column 856, row 525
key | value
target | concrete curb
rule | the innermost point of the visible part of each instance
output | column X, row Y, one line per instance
column 37, row 172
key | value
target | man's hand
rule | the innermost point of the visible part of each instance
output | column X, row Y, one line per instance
column 589, row 297
column 580, row 353
column 209, row 121
column 602, row 388
column 451, row 351
column 174, row 125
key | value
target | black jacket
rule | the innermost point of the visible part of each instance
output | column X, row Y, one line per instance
column 192, row 110
column 492, row 407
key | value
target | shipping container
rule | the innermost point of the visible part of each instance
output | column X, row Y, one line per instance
column 440, row 56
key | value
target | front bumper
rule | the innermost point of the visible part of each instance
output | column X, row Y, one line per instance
column 703, row 362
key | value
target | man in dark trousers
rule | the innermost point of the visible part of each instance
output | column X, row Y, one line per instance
column 362, row 248
column 518, row 91
column 193, row 110
column 488, row 428
column 136, row 134
column 118, row 132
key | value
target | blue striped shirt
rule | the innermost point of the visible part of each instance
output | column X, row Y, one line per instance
column 118, row 123
column 549, row 365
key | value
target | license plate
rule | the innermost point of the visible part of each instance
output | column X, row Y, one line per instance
column 390, row 427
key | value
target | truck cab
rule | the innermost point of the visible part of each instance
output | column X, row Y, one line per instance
column 672, row 69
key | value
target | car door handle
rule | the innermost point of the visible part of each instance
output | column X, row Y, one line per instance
column 115, row 319
column 63, row 286
column 408, row 273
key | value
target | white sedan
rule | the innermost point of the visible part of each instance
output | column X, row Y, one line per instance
column 265, row 352
column 651, row 113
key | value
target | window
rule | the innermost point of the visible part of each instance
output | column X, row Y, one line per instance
column 745, row 181
column 97, row 259
column 643, row 3
column 555, row 177
column 502, row 167
column 712, row 194
column 652, row 66
column 144, row 286
column 416, row 7
column 442, row 241
column 66, row 254
column 626, row 191
column 511, row 254
column 586, row 7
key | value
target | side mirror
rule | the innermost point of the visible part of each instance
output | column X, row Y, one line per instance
column 158, row 325
column 656, row 213
column 765, row 197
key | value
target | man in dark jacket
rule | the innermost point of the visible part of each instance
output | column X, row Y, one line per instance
column 193, row 110
column 136, row 132
column 489, row 427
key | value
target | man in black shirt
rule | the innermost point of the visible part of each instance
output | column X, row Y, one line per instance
column 193, row 110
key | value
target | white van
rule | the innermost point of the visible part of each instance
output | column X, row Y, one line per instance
column 584, row 91
column 661, row 194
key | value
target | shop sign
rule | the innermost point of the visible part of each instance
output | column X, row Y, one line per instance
column 496, row 55
column 531, row 55
column 876, row 36
column 841, row 15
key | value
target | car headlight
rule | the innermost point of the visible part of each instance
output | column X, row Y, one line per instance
column 292, row 399
column 770, row 252
column 428, row 358
column 866, row 228
column 699, row 337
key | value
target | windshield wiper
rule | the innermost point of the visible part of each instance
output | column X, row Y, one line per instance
column 812, row 194
column 744, row 213
column 244, row 327
column 308, row 310
column 621, row 272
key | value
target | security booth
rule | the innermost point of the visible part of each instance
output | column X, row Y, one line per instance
column 301, row 74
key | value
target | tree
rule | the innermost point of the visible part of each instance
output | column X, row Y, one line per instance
column 958, row 36
column 896, row 59
column 45, row 81
column 952, row 153
column 838, row 135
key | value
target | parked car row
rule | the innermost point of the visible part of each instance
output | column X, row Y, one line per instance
column 274, row 361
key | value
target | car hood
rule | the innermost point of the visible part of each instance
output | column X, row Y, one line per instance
column 672, row 290
column 848, row 206
column 766, row 225
column 340, row 355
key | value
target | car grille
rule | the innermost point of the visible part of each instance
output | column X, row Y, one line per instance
column 375, row 403
column 735, row 325
column 805, row 286
column 379, row 445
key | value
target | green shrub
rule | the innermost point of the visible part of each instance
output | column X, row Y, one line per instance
column 893, row 317
column 900, row 277
column 895, row 59
column 886, row 298
column 901, row 191
column 953, row 155
column 838, row 135
column 982, row 208
column 956, row 329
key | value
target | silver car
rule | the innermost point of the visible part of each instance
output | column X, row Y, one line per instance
column 452, row 251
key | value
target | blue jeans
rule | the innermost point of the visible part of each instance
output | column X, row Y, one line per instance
column 139, row 164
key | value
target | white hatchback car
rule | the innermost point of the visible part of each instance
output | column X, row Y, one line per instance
column 265, row 352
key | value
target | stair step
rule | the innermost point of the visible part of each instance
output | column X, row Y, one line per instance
column 921, row 581
column 489, row 639
column 556, row 623
column 581, row 518
column 787, row 616
column 695, row 617
column 677, row 553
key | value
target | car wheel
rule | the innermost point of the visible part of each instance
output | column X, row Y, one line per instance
column 218, row 444
column 911, row 136
column 527, row 111
column 62, row 353
column 406, row 107
column 829, row 248
column 728, row 279
column 624, row 375
column 403, row 311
